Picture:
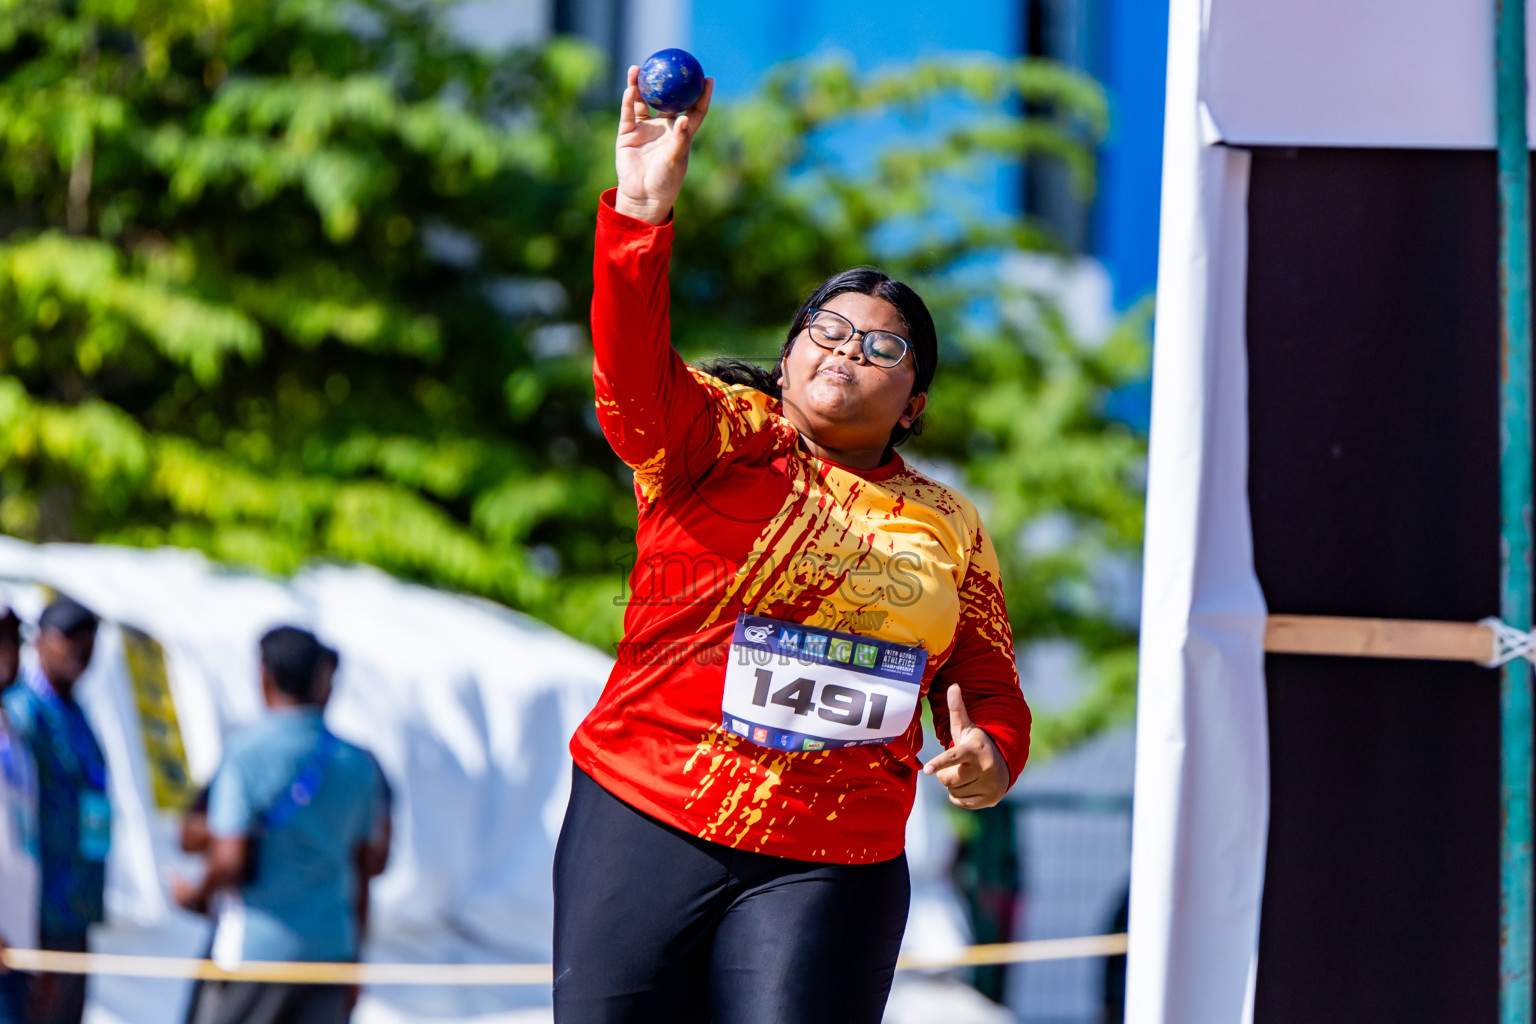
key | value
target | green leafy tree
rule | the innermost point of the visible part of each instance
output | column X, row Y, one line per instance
column 296, row 279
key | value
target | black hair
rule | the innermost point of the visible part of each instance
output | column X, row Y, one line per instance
column 291, row 655
column 67, row 615
column 865, row 281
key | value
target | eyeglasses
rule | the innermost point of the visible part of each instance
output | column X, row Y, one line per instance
column 882, row 348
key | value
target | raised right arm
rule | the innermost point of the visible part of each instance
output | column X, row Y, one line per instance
column 660, row 417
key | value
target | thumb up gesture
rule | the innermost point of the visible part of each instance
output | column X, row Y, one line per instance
column 972, row 769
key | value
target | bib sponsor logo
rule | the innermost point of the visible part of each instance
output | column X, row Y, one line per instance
column 900, row 662
column 758, row 634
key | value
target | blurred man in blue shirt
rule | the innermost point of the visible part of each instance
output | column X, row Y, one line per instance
column 74, row 815
column 18, row 832
column 298, row 823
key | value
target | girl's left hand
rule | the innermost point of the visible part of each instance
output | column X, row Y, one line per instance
column 972, row 769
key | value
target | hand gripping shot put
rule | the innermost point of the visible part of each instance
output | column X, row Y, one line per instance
column 733, row 848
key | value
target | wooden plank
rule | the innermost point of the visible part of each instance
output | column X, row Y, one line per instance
column 1379, row 638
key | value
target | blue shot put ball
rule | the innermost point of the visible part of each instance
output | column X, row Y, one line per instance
column 671, row 81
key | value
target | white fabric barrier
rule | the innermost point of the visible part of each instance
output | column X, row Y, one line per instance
column 1202, row 756
column 467, row 705
column 1359, row 73
column 1386, row 73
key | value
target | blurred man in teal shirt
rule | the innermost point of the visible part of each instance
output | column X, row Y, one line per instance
column 298, row 824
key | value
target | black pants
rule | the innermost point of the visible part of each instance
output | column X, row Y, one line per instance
column 65, row 1002
column 653, row 924
column 262, row 1002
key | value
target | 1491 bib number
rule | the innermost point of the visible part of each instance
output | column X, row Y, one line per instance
column 835, row 702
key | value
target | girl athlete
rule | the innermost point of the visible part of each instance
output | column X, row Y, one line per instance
column 732, row 851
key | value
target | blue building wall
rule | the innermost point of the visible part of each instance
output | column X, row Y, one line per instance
column 738, row 40
column 1133, row 67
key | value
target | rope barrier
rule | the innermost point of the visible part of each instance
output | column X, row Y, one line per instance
column 1019, row 952
column 301, row 973
column 315, row 973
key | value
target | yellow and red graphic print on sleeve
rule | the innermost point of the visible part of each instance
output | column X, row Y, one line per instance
column 735, row 517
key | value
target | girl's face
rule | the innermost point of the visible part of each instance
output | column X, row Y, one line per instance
column 836, row 397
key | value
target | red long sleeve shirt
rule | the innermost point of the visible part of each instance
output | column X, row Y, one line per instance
column 735, row 516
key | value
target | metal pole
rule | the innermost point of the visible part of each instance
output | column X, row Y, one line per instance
column 1515, row 513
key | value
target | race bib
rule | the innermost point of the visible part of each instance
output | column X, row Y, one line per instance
column 95, row 825
column 794, row 687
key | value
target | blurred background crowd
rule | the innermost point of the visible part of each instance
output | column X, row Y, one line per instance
column 292, row 330
column 293, row 826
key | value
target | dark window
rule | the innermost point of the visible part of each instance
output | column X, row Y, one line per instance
column 601, row 23
column 1059, row 30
